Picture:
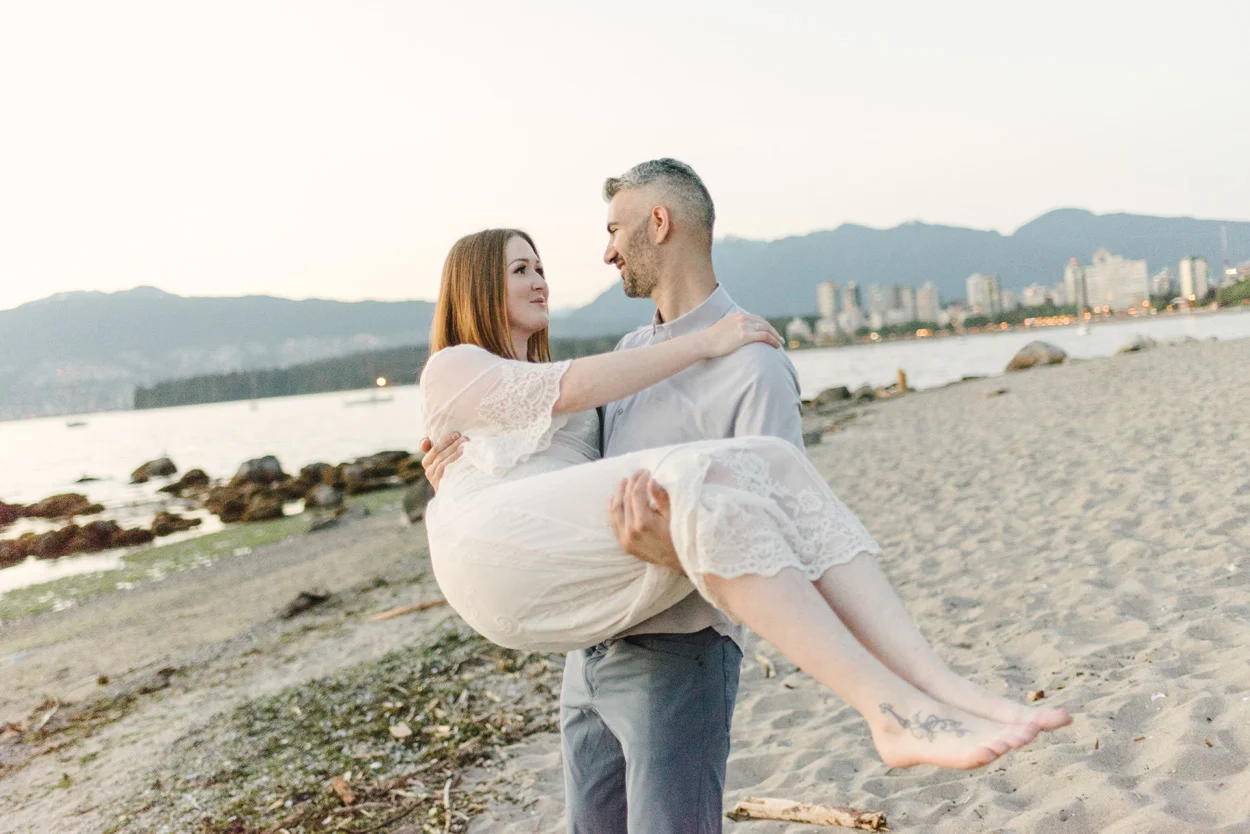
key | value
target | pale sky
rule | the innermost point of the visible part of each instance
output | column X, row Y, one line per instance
column 337, row 149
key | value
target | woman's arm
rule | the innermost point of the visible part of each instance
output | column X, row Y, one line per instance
column 518, row 405
column 593, row 381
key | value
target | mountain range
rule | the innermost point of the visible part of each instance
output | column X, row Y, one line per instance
column 779, row 277
column 86, row 351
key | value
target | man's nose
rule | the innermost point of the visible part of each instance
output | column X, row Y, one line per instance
column 609, row 254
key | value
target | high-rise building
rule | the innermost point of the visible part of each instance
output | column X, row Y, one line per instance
column 850, row 298
column 826, row 331
column 798, row 330
column 984, row 294
column 827, row 300
column 955, row 313
column 1162, row 284
column 1074, row 289
column 882, row 298
column 850, row 321
column 1194, row 284
column 1059, row 295
column 907, row 303
column 1035, row 295
column 1008, row 301
column 928, row 305
column 1110, row 281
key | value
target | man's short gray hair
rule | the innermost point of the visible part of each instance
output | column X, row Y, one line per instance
column 679, row 182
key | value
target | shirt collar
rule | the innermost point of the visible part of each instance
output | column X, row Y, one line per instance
column 713, row 309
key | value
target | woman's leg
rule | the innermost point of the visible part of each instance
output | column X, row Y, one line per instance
column 761, row 509
column 866, row 602
column 908, row 726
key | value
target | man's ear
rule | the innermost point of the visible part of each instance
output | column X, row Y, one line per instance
column 661, row 223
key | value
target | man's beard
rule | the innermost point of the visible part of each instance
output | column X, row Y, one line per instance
column 640, row 266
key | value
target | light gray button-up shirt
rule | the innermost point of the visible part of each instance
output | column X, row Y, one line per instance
column 752, row 391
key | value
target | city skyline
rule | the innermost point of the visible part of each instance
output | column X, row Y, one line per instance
column 1110, row 282
column 339, row 150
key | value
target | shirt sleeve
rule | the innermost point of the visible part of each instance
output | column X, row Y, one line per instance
column 503, row 405
column 770, row 404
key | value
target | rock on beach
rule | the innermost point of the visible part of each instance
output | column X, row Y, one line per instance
column 1037, row 353
column 1137, row 343
column 167, row 523
column 192, row 480
column 159, row 468
column 323, row 496
column 9, row 513
column 263, row 470
column 416, row 497
column 72, row 538
column 63, row 505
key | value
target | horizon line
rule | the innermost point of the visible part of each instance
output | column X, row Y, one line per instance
column 728, row 238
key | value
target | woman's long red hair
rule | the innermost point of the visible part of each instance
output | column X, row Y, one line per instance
column 472, row 303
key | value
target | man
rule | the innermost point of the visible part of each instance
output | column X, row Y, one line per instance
column 645, row 717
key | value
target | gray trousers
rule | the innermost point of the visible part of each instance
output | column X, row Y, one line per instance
column 644, row 724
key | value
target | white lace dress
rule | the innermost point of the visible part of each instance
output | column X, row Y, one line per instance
column 519, row 536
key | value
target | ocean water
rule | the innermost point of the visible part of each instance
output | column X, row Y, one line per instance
column 45, row 456
column 930, row 363
column 40, row 457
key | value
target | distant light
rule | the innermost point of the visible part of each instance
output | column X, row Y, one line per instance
column 381, row 382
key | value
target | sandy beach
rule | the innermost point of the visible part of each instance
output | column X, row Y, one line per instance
column 1083, row 530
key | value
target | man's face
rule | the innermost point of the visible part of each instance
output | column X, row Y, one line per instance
column 629, row 243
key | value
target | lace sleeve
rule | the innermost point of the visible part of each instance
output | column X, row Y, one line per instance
column 503, row 405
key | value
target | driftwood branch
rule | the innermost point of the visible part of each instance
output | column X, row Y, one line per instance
column 407, row 609
column 447, row 803
column 789, row 811
column 43, row 722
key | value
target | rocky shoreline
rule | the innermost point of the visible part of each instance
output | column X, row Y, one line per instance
column 259, row 491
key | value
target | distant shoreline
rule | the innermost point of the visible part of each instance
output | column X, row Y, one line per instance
column 993, row 328
column 402, row 365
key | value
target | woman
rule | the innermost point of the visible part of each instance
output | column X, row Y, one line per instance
column 522, row 548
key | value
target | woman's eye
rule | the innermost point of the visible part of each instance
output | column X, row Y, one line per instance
column 520, row 270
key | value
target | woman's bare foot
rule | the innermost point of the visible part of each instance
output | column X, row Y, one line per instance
column 966, row 695
column 923, row 731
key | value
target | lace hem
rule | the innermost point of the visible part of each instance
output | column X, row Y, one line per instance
column 758, row 508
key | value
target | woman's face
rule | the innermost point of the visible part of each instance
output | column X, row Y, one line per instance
column 527, row 289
